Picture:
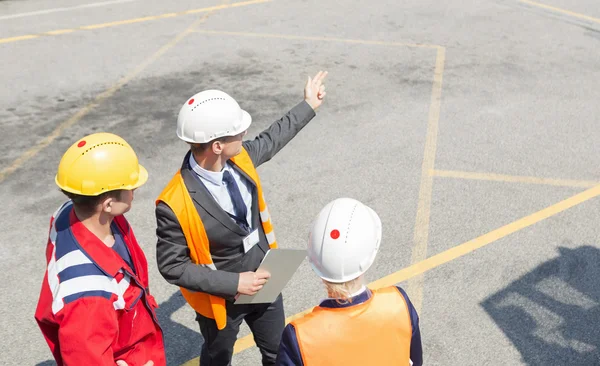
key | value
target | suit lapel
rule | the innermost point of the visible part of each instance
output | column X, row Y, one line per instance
column 202, row 197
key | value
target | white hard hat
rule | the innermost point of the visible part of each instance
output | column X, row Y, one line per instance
column 211, row 114
column 344, row 240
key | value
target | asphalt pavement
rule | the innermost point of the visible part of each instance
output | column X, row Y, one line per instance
column 452, row 119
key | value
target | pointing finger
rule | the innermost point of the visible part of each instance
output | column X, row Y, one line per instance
column 318, row 76
column 323, row 75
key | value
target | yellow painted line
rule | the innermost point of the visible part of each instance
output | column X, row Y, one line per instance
column 479, row 242
column 326, row 39
column 120, row 22
column 564, row 11
column 60, row 31
column 449, row 255
column 133, row 21
column 19, row 38
column 421, row 231
column 99, row 98
column 513, row 178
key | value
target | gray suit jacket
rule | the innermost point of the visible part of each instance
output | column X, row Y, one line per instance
column 224, row 235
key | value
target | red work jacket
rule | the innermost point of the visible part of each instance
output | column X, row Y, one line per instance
column 93, row 308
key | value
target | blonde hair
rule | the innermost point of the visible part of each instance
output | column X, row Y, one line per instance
column 342, row 292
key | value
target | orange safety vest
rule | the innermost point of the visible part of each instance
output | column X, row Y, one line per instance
column 376, row 332
column 177, row 197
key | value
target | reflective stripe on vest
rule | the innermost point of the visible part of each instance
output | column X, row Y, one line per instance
column 376, row 332
column 243, row 161
column 177, row 197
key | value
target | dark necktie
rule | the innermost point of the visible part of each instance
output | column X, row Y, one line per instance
column 239, row 207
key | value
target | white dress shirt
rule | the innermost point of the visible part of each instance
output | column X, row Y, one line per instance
column 213, row 181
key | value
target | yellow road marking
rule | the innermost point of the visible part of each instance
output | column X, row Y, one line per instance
column 60, row 31
column 99, row 98
column 513, row 178
column 132, row 21
column 421, row 231
column 451, row 254
column 479, row 242
column 18, row 38
column 119, row 22
column 559, row 10
column 326, row 39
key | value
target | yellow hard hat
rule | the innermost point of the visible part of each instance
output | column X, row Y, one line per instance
column 99, row 163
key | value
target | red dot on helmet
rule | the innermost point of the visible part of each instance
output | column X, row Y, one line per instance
column 335, row 234
column 191, row 101
column 81, row 143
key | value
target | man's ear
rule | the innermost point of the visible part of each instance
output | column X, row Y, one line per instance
column 107, row 204
column 217, row 147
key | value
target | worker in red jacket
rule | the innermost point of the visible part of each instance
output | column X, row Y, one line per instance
column 354, row 326
column 95, row 307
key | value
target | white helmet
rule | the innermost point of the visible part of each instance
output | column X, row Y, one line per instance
column 211, row 114
column 344, row 240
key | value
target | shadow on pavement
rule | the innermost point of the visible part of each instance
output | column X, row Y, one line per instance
column 181, row 343
column 552, row 314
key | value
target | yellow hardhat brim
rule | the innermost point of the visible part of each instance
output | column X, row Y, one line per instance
column 143, row 177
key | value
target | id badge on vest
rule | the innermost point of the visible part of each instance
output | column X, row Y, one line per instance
column 251, row 240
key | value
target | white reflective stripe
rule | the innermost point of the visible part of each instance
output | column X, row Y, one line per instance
column 264, row 215
column 211, row 266
column 55, row 216
column 53, row 234
column 71, row 259
column 121, row 288
column 119, row 304
column 53, row 274
column 270, row 237
column 82, row 284
column 53, row 267
column 123, row 285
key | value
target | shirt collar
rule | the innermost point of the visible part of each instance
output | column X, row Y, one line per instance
column 215, row 178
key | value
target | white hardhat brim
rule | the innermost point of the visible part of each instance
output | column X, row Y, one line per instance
column 246, row 121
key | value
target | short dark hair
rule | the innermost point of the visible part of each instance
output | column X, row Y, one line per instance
column 87, row 204
column 200, row 148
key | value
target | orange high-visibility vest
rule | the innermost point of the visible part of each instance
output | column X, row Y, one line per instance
column 177, row 197
column 376, row 332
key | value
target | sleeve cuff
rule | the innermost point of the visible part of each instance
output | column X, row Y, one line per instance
column 304, row 109
column 230, row 285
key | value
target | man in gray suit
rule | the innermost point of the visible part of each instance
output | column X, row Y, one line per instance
column 213, row 225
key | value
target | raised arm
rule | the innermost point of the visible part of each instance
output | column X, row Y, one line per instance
column 269, row 142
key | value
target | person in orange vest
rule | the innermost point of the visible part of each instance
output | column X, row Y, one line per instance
column 354, row 326
column 213, row 224
column 95, row 306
